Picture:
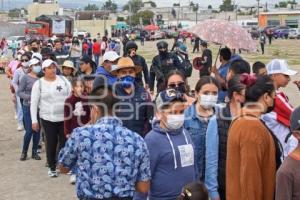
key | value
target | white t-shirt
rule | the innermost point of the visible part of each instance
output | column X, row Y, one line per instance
column 49, row 97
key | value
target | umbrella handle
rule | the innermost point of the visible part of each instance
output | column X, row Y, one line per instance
column 218, row 55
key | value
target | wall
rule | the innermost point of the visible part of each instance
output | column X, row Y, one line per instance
column 95, row 26
column 35, row 10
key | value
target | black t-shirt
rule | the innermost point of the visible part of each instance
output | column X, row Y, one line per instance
column 207, row 65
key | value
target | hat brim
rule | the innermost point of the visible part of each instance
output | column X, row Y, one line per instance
column 52, row 63
column 137, row 68
column 290, row 72
column 112, row 60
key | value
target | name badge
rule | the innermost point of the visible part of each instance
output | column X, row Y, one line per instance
column 186, row 155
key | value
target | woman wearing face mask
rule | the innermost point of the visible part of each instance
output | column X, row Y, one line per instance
column 199, row 118
column 19, row 73
column 24, row 92
column 253, row 152
column 135, row 108
column 170, row 148
column 176, row 80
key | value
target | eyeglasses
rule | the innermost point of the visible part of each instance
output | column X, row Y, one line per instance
column 24, row 60
column 174, row 85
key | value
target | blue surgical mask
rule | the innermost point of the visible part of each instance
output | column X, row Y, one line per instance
column 127, row 81
column 36, row 69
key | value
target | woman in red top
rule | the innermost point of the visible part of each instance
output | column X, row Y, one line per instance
column 96, row 51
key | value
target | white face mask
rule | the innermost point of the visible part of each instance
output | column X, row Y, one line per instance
column 208, row 101
column 175, row 122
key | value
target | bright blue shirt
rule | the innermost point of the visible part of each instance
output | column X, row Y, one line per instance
column 223, row 70
column 109, row 158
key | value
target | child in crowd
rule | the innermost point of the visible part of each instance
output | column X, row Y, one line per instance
column 288, row 175
column 76, row 111
column 259, row 69
column 194, row 191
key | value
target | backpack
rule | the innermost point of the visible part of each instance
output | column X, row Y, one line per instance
column 187, row 67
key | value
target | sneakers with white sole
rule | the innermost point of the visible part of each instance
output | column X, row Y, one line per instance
column 20, row 127
column 52, row 174
column 72, row 179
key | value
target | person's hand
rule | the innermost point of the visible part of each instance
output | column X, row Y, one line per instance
column 297, row 83
column 146, row 87
column 35, row 127
column 68, row 136
column 214, row 69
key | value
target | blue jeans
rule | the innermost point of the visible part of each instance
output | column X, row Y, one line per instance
column 19, row 110
column 29, row 133
column 96, row 58
column 75, row 61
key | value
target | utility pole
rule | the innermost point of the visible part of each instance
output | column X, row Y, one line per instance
column 258, row 11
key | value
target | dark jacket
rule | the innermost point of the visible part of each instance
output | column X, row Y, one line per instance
column 60, row 56
column 135, row 109
column 139, row 60
column 224, row 120
column 161, row 66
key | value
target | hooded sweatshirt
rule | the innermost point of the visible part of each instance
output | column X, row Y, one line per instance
column 171, row 162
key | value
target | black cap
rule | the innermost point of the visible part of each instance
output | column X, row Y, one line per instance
column 295, row 120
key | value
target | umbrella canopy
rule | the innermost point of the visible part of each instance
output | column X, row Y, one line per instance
column 151, row 27
column 224, row 33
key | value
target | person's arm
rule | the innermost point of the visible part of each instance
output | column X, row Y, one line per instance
column 284, row 186
column 219, row 78
column 152, row 78
column 15, row 80
column 21, row 89
column 251, row 153
column 68, row 118
column 68, row 155
column 145, row 72
column 212, row 157
column 148, row 114
column 34, row 102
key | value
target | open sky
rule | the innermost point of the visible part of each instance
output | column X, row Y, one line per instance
column 8, row 4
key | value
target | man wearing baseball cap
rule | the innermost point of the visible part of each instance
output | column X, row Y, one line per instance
column 109, row 59
column 288, row 175
column 279, row 119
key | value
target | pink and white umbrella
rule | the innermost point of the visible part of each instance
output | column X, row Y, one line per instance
column 224, row 33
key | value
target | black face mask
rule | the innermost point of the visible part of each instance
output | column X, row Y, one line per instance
column 34, row 49
column 163, row 53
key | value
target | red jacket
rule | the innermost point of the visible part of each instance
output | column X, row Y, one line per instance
column 96, row 48
column 283, row 109
column 76, row 112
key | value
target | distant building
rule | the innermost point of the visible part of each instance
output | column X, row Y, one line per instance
column 43, row 7
column 94, row 22
column 289, row 18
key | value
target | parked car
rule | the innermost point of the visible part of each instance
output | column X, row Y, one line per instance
column 157, row 35
column 281, row 33
column 18, row 39
column 294, row 33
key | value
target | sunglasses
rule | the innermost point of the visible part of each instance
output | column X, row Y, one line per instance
column 174, row 85
column 24, row 60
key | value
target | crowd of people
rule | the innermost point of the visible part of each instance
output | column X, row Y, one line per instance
column 126, row 131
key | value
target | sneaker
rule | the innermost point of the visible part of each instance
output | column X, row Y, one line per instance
column 36, row 156
column 73, row 179
column 52, row 174
column 23, row 157
column 20, row 127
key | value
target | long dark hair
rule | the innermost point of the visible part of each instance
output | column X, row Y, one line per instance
column 171, row 73
column 262, row 85
column 206, row 80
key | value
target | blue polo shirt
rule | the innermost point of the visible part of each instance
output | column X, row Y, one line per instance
column 109, row 158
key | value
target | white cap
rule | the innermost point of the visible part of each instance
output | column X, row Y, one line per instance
column 37, row 56
column 33, row 61
column 47, row 63
column 280, row 66
column 110, row 56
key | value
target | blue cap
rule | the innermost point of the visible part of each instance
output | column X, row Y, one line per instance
column 167, row 96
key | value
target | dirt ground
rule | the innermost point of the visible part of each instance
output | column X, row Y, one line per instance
column 29, row 180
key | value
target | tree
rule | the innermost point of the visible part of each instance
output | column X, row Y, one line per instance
column 146, row 17
column 109, row 5
column 135, row 5
column 283, row 4
column 91, row 7
column 227, row 6
column 210, row 7
column 153, row 4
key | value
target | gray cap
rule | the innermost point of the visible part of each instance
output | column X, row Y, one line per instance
column 295, row 120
